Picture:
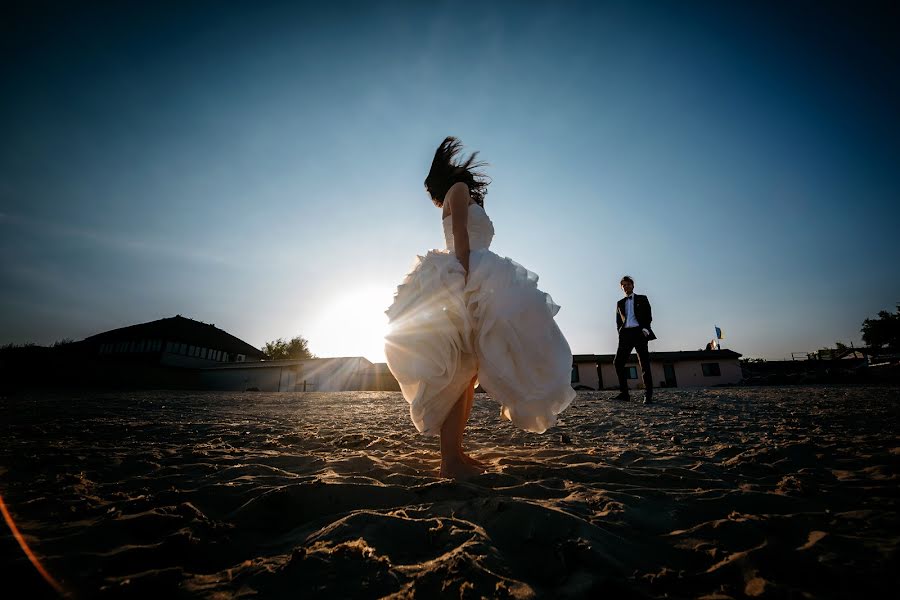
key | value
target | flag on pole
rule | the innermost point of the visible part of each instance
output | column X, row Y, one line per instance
column 719, row 335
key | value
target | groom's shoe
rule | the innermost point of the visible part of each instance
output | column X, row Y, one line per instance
column 621, row 396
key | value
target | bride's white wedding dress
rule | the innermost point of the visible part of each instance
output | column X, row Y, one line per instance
column 445, row 330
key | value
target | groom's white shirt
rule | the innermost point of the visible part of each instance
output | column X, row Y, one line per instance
column 630, row 321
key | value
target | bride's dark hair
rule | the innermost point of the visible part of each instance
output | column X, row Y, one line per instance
column 445, row 172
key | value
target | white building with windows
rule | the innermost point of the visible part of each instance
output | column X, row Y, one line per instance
column 691, row 368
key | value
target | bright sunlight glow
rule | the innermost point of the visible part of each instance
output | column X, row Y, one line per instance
column 353, row 324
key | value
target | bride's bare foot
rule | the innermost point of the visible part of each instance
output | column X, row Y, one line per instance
column 473, row 461
column 459, row 469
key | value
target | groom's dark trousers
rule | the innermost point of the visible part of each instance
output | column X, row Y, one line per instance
column 632, row 338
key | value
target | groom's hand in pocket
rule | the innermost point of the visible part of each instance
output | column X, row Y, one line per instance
column 646, row 332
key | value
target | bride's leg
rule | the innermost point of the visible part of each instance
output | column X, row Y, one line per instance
column 470, row 399
column 453, row 463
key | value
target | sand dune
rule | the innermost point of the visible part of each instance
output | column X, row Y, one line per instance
column 723, row 493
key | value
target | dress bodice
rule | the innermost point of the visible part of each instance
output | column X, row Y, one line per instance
column 480, row 228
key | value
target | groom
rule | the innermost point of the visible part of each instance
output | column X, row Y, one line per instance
column 633, row 319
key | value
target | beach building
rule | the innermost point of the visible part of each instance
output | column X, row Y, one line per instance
column 379, row 377
column 175, row 342
column 340, row 374
column 182, row 353
column 691, row 368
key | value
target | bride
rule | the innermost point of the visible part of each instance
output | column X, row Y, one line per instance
column 465, row 315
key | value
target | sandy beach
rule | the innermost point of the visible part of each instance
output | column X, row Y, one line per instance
column 779, row 492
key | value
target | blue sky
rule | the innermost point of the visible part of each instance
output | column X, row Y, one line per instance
column 261, row 168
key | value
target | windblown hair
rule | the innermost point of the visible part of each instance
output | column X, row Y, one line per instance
column 626, row 278
column 445, row 171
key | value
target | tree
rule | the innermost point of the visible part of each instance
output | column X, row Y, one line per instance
column 12, row 346
column 883, row 331
column 296, row 348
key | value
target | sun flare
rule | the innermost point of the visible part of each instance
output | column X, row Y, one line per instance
column 353, row 324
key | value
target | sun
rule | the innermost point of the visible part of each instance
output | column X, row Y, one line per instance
column 353, row 323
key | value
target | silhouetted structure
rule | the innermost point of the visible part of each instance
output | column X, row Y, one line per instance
column 339, row 374
column 175, row 341
column 820, row 367
column 181, row 353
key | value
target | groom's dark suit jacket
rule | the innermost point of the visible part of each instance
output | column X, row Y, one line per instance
column 641, row 312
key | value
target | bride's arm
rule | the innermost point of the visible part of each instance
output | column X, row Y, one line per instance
column 459, row 199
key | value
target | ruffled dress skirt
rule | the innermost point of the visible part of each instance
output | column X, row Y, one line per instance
column 497, row 327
